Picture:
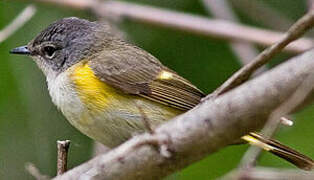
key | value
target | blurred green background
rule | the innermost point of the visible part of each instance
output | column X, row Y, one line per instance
column 30, row 124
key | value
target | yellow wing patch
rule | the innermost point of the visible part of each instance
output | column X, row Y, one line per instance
column 253, row 141
column 91, row 90
column 164, row 75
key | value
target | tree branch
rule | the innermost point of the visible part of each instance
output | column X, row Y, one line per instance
column 76, row 4
column 242, row 110
column 32, row 170
column 184, row 22
column 18, row 22
column 62, row 159
column 221, row 9
column 260, row 12
column 262, row 173
column 310, row 4
column 250, row 157
column 245, row 51
column 242, row 75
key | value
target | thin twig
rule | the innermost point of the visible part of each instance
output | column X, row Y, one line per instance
column 262, row 13
column 62, row 160
column 262, row 173
column 286, row 121
column 221, row 9
column 188, row 23
column 18, row 22
column 310, row 4
column 252, row 154
column 33, row 170
column 76, row 4
column 295, row 100
column 295, row 31
column 184, row 22
column 245, row 51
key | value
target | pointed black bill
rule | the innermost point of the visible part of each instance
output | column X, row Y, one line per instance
column 20, row 50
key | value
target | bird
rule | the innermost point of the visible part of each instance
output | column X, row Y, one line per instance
column 98, row 80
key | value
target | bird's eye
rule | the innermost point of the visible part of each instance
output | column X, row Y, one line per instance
column 49, row 51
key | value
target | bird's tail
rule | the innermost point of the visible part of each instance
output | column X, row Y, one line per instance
column 280, row 150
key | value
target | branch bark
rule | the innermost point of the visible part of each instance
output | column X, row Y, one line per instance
column 245, row 51
column 261, row 173
column 310, row 4
column 243, row 109
column 18, row 22
column 221, row 9
column 32, row 170
column 184, row 22
column 242, row 75
column 252, row 154
column 262, row 13
column 62, row 159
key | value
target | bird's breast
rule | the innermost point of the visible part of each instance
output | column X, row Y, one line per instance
column 92, row 92
column 100, row 111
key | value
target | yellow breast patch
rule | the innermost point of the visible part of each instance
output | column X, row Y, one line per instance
column 91, row 90
column 104, row 100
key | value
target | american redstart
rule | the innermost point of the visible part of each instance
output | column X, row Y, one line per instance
column 98, row 80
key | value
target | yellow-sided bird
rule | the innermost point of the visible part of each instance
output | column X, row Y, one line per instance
column 96, row 79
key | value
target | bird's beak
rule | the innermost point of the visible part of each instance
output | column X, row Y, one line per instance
column 20, row 50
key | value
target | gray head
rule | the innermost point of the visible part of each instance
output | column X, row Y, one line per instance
column 66, row 42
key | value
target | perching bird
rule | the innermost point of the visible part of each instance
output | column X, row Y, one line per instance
column 96, row 79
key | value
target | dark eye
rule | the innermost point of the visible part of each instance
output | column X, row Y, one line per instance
column 49, row 51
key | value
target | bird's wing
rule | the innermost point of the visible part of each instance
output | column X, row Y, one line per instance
column 275, row 147
column 135, row 71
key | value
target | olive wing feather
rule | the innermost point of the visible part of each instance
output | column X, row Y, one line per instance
column 134, row 71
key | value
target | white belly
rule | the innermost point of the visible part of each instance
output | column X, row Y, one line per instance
column 64, row 96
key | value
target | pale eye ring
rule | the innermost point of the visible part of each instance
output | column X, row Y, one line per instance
column 49, row 51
